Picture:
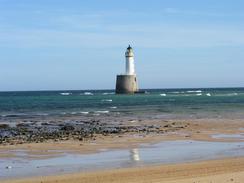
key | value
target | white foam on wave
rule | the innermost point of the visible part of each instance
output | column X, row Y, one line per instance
column 108, row 93
column 87, row 93
column 107, row 100
column 194, row 91
column 163, row 94
column 84, row 112
column 65, row 93
column 113, row 107
column 227, row 95
column 198, row 94
column 102, row 112
column 176, row 92
column 208, row 94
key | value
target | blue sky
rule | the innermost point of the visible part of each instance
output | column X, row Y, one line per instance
column 73, row 44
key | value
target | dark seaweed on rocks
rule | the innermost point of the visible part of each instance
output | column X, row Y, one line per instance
column 4, row 126
column 66, row 130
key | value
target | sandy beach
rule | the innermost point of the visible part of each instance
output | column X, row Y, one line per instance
column 205, row 130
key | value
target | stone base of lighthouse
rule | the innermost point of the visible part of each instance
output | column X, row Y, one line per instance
column 126, row 84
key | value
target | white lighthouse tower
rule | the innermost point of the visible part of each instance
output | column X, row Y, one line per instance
column 129, row 62
column 127, row 83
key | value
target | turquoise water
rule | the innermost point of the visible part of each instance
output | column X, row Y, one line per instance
column 207, row 102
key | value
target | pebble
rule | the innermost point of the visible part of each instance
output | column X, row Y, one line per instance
column 8, row 167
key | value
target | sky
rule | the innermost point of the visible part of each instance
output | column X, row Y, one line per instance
column 73, row 44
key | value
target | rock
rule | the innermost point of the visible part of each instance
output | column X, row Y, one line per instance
column 80, row 130
column 23, row 125
column 3, row 126
column 67, row 128
column 45, row 124
column 8, row 167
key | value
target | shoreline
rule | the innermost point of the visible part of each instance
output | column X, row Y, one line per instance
column 173, row 130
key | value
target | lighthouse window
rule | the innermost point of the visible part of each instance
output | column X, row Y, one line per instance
column 135, row 79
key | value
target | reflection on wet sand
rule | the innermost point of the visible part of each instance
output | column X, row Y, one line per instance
column 134, row 155
column 166, row 152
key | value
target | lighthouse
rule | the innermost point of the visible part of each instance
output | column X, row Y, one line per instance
column 129, row 61
column 127, row 83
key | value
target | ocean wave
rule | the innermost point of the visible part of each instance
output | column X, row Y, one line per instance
column 198, row 94
column 107, row 100
column 84, row 112
column 108, row 93
column 163, row 94
column 75, row 112
column 87, row 93
column 176, row 92
column 233, row 94
column 208, row 94
column 227, row 95
column 102, row 112
column 194, row 91
column 65, row 93
column 113, row 107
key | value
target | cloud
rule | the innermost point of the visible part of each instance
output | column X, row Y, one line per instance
column 114, row 28
column 154, row 36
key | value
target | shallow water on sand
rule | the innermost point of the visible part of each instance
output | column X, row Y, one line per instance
column 239, row 136
column 168, row 152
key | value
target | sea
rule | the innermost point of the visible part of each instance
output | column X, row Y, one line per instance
column 155, row 103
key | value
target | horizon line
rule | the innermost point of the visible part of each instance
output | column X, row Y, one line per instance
column 44, row 90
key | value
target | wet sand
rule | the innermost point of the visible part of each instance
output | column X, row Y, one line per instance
column 215, row 171
column 225, row 170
